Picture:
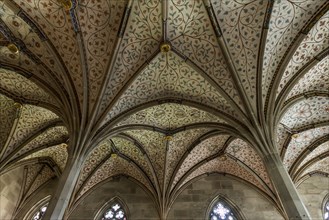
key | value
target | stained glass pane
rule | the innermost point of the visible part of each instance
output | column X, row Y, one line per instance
column 40, row 213
column 115, row 212
column 326, row 210
column 221, row 211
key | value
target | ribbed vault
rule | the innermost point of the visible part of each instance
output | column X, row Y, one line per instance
column 163, row 92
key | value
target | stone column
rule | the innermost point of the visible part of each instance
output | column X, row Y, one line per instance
column 60, row 199
column 285, row 188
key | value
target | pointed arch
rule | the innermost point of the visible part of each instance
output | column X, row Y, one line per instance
column 115, row 208
column 325, row 207
column 38, row 210
column 222, row 208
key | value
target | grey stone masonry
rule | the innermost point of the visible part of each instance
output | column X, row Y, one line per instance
column 194, row 201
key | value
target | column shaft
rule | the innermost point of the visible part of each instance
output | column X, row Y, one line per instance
column 60, row 199
column 285, row 188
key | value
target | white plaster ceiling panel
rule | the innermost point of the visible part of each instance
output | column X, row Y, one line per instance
column 31, row 119
column 99, row 23
column 113, row 167
column 132, row 151
column 170, row 116
column 58, row 153
column 51, row 136
column 31, row 174
column 169, row 76
column 281, row 136
column 321, row 166
column 224, row 166
column 7, row 116
column 241, row 23
column 190, row 31
column 315, row 42
column 56, row 23
column 316, row 79
column 315, row 153
column 245, row 153
column 308, row 111
column 154, row 144
column 23, row 31
column 20, row 86
column 303, row 140
column 203, row 150
column 95, row 157
column 177, row 146
column 287, row 20
column 45, row 175
column 141, row 39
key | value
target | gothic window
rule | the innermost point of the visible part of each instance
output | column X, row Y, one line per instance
column 326, row 208
column 40, row 212
column 115, row 212
column 222, row 209
column 115, row 209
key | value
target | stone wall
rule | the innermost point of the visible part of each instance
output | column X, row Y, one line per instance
column 312, row 192
column 10, row 186
column 193, row 202
column 139, row 203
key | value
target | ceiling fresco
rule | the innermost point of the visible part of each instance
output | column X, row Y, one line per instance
column 163, row 92
column 154, row 144
column 30, row 38
column 318, row 151
column 28, row 66
column 191, row 34
column 8, row 113
column 301, row 141
column 45, row 174
column 283, row 135
column 143, row 29
column 30, row 121
column 321, row 165
column 57, row 153
column 288, row 18
column 111, row 168
column 22, row 89
column 99, row 24
column 167, row 160
column 200, row 152
column 170, row 116
column 313, row 81
column 36, row 176
column 314, row 43
column 245, row 153
column 168, row 76
column 241, row 23
column 224, row 165
column 56, row 25
column 308, row 111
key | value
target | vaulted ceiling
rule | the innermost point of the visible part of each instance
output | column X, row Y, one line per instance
column 164, row 92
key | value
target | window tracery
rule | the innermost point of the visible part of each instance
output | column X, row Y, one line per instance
column 222, row 209
column 326, row 208
column 115, row 212
column 40, row 212
column 115, row 209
